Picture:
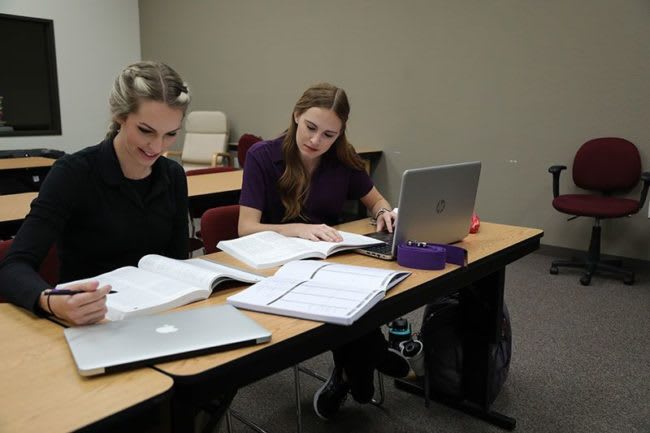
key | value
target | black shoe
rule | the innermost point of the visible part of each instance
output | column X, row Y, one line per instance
column 329, row 397
column 394, row 364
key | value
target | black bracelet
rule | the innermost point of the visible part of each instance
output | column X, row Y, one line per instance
column 49, row 307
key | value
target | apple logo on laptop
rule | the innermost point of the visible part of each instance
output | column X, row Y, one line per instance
column 166, row 329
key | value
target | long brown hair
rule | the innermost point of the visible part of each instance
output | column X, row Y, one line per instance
column 294, row 182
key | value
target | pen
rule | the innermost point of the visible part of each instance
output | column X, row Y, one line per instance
column 58, row 292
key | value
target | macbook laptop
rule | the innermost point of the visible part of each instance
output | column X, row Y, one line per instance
column 435, row 206
column 146, row 340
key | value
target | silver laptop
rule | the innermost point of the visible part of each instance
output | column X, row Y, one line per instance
column 435, row 205
column 146, row 340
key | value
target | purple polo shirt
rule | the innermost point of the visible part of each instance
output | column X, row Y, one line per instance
column 332, row 184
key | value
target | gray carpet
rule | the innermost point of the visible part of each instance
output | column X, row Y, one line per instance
column 581, row 363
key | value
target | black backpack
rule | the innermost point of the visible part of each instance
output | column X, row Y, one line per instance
column 451, row 330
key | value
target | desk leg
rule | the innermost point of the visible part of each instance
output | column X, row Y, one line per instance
column 183, row 416
column 481, row 319
column 486, row 326
column 190, row 401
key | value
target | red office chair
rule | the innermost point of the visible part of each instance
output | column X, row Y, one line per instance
column 49, row 269
column 607, row 166
column 219, row 224
column 197, row 206
column 245, row 143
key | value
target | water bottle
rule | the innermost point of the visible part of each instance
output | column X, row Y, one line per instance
column 399, row 330
column 413, row 351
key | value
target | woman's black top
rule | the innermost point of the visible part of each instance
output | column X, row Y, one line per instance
column 98, row 219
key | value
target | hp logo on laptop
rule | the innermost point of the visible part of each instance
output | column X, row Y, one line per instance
column 440, row 206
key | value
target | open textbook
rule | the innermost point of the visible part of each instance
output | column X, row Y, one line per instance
column 269, row 249
column 160, row 283
column 318, row 290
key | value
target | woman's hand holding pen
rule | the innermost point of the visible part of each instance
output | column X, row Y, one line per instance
column 83, row 308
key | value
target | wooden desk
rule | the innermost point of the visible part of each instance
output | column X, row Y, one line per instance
column 24, row 174
column 26, row 162
column 217, row 188
column 492, row 240
column 370, row 156
column 15, row 207
column 295, row 340
column 368, row 151
column 13, row 210
column 41, row 389
column 206, row 191
column 214, row 183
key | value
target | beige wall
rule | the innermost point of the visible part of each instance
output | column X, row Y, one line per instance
column 517, row 84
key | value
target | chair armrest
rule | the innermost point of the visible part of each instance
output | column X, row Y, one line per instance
column 556, row 170
column 224, row 156
column 645, row 177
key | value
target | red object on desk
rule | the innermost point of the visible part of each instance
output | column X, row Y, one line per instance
column 476, row 223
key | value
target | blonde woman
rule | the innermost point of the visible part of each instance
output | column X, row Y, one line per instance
column 107, row 205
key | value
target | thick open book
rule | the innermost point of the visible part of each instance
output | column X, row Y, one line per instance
column 318, row 290
column 160, row 283
column 269, row 249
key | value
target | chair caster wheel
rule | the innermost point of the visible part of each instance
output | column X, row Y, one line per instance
column 628, row 280
column 553, row 270
column 585, row 280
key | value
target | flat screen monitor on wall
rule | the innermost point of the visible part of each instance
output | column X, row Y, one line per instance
column 29, row 90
